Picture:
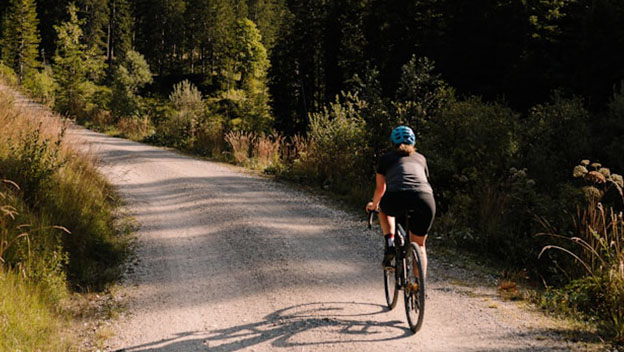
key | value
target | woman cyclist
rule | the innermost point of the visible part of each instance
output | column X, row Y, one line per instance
column 402, row 184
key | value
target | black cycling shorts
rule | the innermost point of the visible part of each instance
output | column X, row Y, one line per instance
column 423, row 204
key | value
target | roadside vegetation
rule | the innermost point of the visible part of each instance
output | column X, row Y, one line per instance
column 57, row 230
column 309, row 91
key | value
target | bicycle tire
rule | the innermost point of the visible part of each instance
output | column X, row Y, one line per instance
column 414, row 299
column 391, row 285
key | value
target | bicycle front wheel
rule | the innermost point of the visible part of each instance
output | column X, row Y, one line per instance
column 390, row 284
column 414, row 291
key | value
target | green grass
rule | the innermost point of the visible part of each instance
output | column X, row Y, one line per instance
column 59, row 230
column 27, row 322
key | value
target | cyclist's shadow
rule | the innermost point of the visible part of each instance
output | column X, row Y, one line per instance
column 332, row 319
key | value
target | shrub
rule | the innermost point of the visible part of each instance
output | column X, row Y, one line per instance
column 594, row 249
column 210, row 139
column 240, row 142
column 187, row 111
column 339, row 155
column 8, row 75
column 131, row 75
column 554, row 136
column 135, row 128
column 421, row 94
column 266, row 150
column 471, row 147
column 42, row 86
column 59, row 187
column 34, row 160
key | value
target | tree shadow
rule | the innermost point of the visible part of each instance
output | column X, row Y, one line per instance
column 337, row 321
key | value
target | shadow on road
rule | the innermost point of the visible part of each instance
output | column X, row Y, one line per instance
column 283, row 329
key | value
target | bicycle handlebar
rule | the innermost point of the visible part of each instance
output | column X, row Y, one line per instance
column 370, row 218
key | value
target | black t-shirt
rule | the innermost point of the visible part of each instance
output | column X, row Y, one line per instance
column 404, row 172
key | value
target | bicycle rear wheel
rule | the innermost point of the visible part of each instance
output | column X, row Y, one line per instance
column 414, row 290
column 390, row 284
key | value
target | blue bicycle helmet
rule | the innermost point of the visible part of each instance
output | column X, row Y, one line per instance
column 403, row 135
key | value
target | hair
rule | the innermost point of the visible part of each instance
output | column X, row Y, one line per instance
column 405, row 149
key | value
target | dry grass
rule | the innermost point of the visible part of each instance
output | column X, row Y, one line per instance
column 266, row 149
column 241, row 143
column 135, row 128
column 64, row 189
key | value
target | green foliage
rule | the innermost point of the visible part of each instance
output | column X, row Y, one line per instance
column 245, row 96
column 187, row 112
column 74, row 64
column 594, row 249
column 20, row 38
column 131, row 75
column 421, row 93
column 7, row 75
column 555, row 136
column 471, row 148
column 338, row 144
column 57, row 188
column 376, row 110
column 28, row 321
column 35, row 160
column 42, row 86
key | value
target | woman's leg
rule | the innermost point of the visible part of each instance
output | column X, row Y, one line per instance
column 420, row 241
column 387, row 223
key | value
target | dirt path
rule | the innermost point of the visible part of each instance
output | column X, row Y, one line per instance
column 229, row 262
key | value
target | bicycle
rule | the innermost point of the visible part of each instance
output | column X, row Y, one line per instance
column 400, row 275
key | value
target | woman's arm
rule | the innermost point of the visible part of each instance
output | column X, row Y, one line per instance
column 380, row 189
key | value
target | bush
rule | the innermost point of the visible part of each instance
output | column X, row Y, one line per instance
column 42, row 86
column 241, row 143
column 135, row 128
column 266, row 150
column 59, row 188
column 339, row 154
column 8, row 75
column 210, row 137
column 554, row 136
column 131, row 75
column 185, row 115
column 471, row 147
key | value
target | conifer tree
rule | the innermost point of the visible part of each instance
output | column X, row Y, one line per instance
column 20, row 40
column 120, row 29
column 96, row 21
column 71, row 61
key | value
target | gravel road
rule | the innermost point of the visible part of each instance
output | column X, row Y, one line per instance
column 227, row 261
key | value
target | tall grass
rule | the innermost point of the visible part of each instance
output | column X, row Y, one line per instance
column 240, row 142
column 597, row 289
column 266, row 150
column 27, row 323
column 59, row 187
column 57, row 228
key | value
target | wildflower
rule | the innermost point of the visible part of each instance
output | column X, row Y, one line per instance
column 579, row 171
column 595, row 177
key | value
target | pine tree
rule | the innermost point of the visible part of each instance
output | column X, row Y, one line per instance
column 268, row 16
column 120, row 29
column 96, row 21
column 20, row 41
column 248, row 72
column 71, row 61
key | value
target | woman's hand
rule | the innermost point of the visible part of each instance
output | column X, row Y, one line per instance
column 370, row 207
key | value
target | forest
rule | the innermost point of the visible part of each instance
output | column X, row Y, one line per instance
column 518, row 106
